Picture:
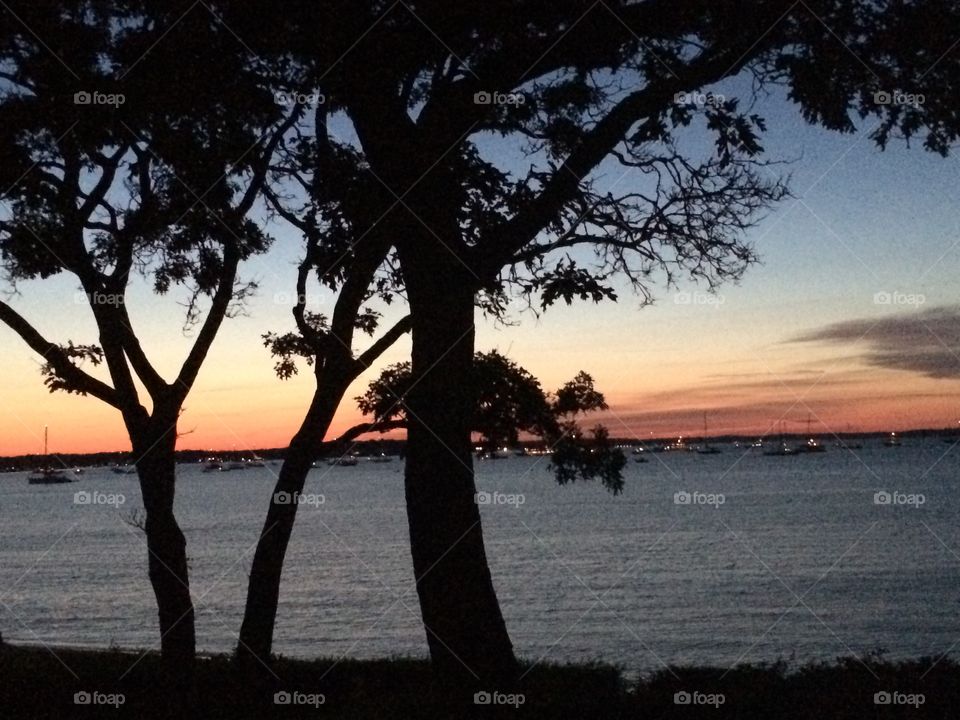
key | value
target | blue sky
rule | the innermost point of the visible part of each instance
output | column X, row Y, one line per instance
column 863, row 222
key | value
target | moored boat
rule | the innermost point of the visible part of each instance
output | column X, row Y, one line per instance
column 47, row 475
column 707, row 448
column 782, row 450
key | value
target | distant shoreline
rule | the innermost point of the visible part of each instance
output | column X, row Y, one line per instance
column 21, row 463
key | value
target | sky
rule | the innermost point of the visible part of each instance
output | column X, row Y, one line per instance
column 851, row 322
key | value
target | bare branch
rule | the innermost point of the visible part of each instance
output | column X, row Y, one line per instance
column 75, row 378
column 383, row 343
column 218, row 311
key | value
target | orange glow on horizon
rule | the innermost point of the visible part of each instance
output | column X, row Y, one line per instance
column 267, row 418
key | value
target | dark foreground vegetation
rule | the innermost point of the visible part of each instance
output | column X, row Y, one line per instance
column 34, row 683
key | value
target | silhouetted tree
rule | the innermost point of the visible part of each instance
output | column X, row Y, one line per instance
column 348, row 255
column 134, row 140
column 318, row 187
column 508, row 401
column 587, row 87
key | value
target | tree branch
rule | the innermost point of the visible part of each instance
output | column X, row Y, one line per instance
column 362, row 429
column 218, row 311
column 78, row 380
column 142, row 366
column 380, row 346
column 97, row 196
column 563, row 185
column 262, row 166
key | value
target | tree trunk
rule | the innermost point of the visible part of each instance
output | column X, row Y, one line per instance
column 263, row 592
column 167, row 551
column 469, row 645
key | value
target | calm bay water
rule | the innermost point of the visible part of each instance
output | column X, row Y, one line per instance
column 798, row 562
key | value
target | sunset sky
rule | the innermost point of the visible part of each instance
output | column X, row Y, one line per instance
column 807, row 333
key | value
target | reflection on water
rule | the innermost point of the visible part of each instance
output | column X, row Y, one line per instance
column 703, row 559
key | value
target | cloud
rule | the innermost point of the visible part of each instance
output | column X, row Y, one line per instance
column 926, row 343
column 891, row 408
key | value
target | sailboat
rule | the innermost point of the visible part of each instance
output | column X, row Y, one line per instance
column 47, row 475
column 783, row 450
column 707, row 448
column 255, row 462
column 812, row 445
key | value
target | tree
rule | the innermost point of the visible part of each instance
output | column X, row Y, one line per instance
column 334, row 204
column 508, row 401
column 587, row 87
column 118, row 159
column 320, row 187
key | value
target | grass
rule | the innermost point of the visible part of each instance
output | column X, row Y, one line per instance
column 34, row 683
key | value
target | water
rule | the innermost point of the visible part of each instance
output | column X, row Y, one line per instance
column 798, row 562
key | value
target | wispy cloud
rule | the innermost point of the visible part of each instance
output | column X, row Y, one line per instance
column 925, row 342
